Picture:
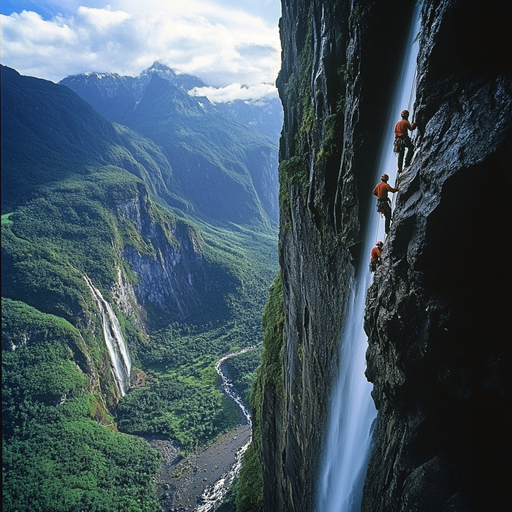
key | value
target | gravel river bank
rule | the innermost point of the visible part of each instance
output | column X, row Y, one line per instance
column 200, row 481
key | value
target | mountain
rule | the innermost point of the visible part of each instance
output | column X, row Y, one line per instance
column 114, row 308
column 437, row 310
column 49, row 141
column 265, row 114
column 225, row 167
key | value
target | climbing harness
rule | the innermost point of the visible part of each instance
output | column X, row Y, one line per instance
column 399, row 144
column 381, row 205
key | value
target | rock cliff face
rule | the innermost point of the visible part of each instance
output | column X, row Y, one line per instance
column 436, row 311
column 170, row 273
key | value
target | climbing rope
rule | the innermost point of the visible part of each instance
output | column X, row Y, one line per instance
column 410, row 106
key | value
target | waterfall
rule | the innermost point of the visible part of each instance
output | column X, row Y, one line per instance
column 114, row 340
column 348, row 440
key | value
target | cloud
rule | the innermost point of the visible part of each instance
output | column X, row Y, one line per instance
column 235, row 92
column 199, row 37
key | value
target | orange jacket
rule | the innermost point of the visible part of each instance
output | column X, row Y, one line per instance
column 381, row 190
column 376, row 254
column 402, row 126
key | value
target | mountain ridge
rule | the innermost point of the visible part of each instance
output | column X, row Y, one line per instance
column 225, row 144
column 91, row 201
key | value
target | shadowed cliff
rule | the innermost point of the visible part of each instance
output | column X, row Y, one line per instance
column 436, row 312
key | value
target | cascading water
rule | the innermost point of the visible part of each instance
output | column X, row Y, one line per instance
column 347, row 444
column 214, row 494
column 121, row 364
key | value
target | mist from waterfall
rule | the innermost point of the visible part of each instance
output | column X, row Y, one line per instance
column 119, row 356
column 348, row 441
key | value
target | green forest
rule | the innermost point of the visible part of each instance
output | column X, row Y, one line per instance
column 70, row 441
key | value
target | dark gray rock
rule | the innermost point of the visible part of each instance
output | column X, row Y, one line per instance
column 439, row 352
column 327, row 159
column 436, row 313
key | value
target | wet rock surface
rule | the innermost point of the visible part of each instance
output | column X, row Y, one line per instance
column 437, row 311
column 334, row 54
column 437, row 316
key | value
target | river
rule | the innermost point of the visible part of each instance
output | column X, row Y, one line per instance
column 200, row 481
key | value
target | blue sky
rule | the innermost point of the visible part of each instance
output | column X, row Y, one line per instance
column 233, row 45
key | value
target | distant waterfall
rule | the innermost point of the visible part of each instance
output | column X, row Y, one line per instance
column 114, row 340
column 347, row 445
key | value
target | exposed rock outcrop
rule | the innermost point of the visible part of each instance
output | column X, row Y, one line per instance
column 170, row 281
column 436, row 312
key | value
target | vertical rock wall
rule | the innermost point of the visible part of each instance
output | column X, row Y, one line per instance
column 328, row 153
column 439, row 353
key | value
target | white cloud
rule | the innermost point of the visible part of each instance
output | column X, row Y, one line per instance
column 101, row 20
column 199, row 37
column 235, row 92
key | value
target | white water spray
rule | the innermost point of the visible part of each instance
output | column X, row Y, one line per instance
column 347, row 444
column 121, row 364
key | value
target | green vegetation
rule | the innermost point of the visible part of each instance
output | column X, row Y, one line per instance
column 291, row 172
column 216, row 161
column 249, row 497
column 60, row 459
column 333, row 129
column 228, row 503
column 180, row 398
column 55, row 454
column 242, row 371
column 6, row 219
column 295, row 171
column 271, row 370
column 77, row 200
column 68, row 231
column 187, row 409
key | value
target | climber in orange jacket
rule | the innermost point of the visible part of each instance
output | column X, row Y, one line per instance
column 376, row 257
column 403, row 141
column 383, row 203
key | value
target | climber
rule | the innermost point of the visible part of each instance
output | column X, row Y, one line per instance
column 376, row 257
column 403, row 141
column 383, row 202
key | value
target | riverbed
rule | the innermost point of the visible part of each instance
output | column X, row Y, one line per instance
column 200, row 481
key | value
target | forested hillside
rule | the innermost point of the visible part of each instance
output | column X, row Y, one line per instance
column 88, row 229
column 224, row 157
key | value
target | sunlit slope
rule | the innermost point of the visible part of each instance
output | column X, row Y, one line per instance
column 82, row 196
column 50, row 134
column 227, row 168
